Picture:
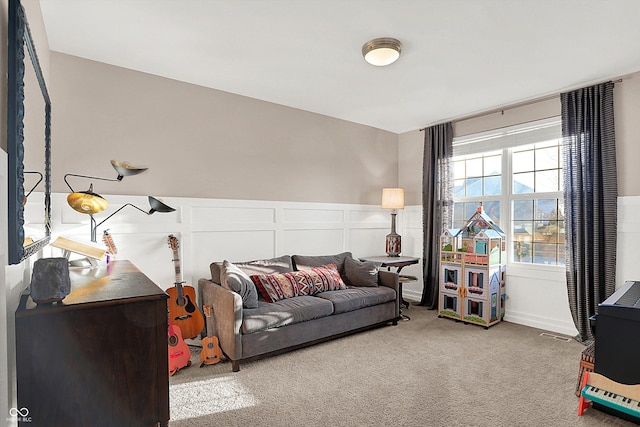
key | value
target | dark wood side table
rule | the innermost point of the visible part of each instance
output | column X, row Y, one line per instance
column 99, row 357
column 397, row 262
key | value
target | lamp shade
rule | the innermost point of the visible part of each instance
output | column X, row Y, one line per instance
column 393, row 198
column 158, row 205
column 87, row 202
column 382, row 51
column 126, row 169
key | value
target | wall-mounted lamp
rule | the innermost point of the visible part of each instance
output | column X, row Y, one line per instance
column 382, row 51
column 90, row 203
column 393, row 198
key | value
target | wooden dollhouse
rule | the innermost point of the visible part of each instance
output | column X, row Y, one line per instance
column 472, row 272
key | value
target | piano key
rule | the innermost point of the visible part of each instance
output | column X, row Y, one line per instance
column 613, row 400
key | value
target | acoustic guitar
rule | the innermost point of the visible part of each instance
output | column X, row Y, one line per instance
column 183, row 311
column 179, row 353
column 211, row 352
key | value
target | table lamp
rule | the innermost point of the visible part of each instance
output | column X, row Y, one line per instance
column 393, row 198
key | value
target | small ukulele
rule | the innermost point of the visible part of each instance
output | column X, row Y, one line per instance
column 183, row 311
column 179, row 353
column 211, row 352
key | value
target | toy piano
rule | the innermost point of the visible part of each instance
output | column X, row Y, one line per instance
column 599, row 389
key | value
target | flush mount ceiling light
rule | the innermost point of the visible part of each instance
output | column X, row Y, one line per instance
column 382, row 51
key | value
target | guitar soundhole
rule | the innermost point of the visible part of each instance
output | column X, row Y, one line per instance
column 173, row 340
column 190, row 307
column 210, row 345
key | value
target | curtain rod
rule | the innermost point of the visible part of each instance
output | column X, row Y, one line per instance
column 516, row 105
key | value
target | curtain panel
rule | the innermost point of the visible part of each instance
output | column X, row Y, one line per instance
column 590, row 200
column 437, row 203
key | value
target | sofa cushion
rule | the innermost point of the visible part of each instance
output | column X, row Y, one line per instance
column 275, row 287
column 281, row 264
column 354, row 298
column 285, row 312
column 304, row 262
column 361, row 273
column 236, row 280
column 279, row 286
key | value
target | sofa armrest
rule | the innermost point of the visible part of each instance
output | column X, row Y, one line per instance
column 227, row 316
column 390, row 280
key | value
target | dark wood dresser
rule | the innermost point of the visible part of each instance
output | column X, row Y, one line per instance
column 98, row 358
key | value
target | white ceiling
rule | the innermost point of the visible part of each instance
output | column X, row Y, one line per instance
column 459, row 57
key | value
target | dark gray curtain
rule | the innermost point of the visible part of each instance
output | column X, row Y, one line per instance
column 590, row 200
column 437, row 203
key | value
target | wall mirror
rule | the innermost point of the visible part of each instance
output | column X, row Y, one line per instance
column 28, row 140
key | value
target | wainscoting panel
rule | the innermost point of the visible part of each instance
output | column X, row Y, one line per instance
column 239, row 230
column 413, row 217
column 367, row 241
column 151, row 253
column 232, row 215
column 378, row 216
column 214, row 230
column 628, row 240
column 206, row 247
column 235, row 245
column 412, row 235
column 537, row 297
column 312, row 216
column 312, row 242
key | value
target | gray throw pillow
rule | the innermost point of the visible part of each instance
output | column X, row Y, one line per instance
column 236, row 280
column 281, row 264
column 361, row 273
column 307, row 262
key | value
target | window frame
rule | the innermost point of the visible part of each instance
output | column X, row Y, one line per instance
column 507, row 140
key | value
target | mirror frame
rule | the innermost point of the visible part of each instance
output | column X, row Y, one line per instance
column 19, row 37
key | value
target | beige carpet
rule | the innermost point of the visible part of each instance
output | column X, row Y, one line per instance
column 423, row 372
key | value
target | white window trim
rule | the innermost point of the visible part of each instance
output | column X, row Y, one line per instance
column 511, row 136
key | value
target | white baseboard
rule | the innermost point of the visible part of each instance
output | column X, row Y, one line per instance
column 548, row 324
column 526, row 319
column 411, row 295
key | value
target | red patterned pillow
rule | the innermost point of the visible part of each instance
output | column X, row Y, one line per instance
column 327, row 278
column 275, row 287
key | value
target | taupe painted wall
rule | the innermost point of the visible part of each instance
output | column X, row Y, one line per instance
column 508, row 117
column 627, row 118
column 201, row 142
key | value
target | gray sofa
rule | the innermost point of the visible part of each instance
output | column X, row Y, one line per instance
column 249, row 327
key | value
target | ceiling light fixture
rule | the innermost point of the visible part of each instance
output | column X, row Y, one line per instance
column 382, row 51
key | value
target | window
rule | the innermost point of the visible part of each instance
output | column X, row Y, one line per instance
column 477, row 178
column 537, row 215
column 516, row 173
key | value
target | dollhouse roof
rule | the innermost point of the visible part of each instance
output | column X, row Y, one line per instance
column 451, row 232
column 485, row 222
